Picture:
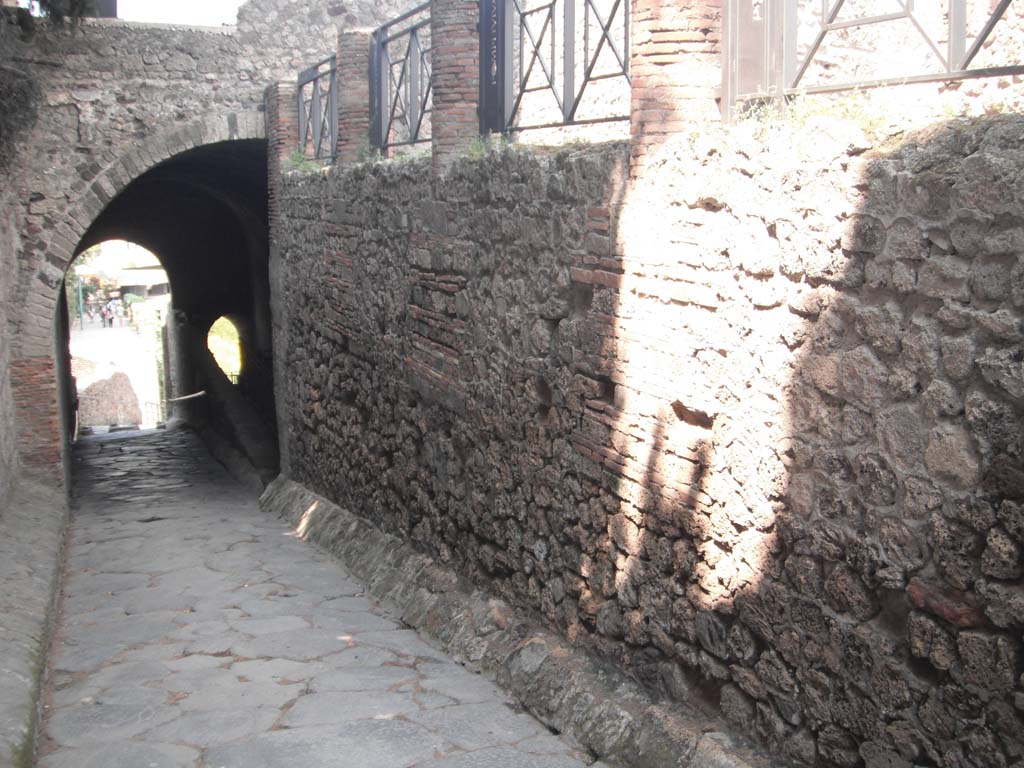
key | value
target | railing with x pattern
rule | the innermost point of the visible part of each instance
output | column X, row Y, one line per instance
column 562, row 62
column 785, row 47
column 401, row 96
column 318, row 111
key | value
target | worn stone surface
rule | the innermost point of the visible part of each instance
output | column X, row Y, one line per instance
column 756, row 415
column 571, row 691
column 196, row 630
column 31, row 535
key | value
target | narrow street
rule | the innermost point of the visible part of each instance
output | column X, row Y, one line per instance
column 195, row 630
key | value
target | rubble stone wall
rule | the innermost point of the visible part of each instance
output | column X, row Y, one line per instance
column 751, row 425
column 107, row 88
column 282, row 37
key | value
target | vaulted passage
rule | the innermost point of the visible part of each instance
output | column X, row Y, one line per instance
column 203, row 213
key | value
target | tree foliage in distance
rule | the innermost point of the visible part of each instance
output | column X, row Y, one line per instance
column 59, row 12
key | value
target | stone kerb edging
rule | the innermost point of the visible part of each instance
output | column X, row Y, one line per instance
column 568, row 690
column 31, row 544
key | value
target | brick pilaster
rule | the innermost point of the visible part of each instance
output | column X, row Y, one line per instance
column 455, row 45
column 353, row 95
column 282, row 138
column 675, row 64
column 34, row 387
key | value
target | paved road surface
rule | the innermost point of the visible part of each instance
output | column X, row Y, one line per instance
column 196, row 631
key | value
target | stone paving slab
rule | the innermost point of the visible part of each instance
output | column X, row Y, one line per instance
column 197, row 631
column 575, row 692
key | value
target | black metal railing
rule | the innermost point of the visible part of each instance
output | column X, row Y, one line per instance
column 318, row 110
column 401, row 96
column 772, row 46
column 564, row 62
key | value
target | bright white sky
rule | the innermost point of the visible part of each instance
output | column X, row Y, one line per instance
column 209, row 13
column 204, row 13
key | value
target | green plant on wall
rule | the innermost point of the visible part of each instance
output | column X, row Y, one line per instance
column 488, row 143
column 298, row 161
column 798, row 111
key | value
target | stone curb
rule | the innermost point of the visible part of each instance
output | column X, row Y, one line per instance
column 32, row 528
column 570, row 691
column 233, row 460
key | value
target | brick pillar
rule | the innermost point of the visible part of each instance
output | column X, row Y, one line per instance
column 455, row 47
column 282, row 140
column 675, row 66
column 282, row 137
column 353, row 95
column 37, row 413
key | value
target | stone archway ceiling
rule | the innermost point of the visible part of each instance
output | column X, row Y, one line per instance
column 199, row 212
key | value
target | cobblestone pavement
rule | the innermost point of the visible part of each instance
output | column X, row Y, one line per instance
column 197, row 631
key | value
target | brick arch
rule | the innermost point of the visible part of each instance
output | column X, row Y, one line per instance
column 33, row 367
column 41, row 295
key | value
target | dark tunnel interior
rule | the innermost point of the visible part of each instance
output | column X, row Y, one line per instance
column 203, row 213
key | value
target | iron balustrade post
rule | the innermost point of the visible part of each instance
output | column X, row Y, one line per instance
column 300, row 105
column 568, row 60
column 627, row 43
column 730, row 55
column 776, row 59
column 496, row 71
column 506, row 51
column 413, row 86
column 316, row 119
column 332, row 109
column 957, row 34
column 378, row 92
column 790, row 24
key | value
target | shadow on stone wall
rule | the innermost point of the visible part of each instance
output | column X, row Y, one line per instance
column 818, row 362
column 750, row 425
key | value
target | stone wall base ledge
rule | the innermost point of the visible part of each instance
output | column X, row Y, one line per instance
column 32, row 528
column 573, row 692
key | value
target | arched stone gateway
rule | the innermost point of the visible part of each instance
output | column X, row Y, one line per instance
column 197, row 196
column 117, row 100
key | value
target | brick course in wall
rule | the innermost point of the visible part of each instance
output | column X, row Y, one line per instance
column 751, row 425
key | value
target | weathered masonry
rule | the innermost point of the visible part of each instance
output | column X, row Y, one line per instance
column 738, row 407
column 152, row 134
